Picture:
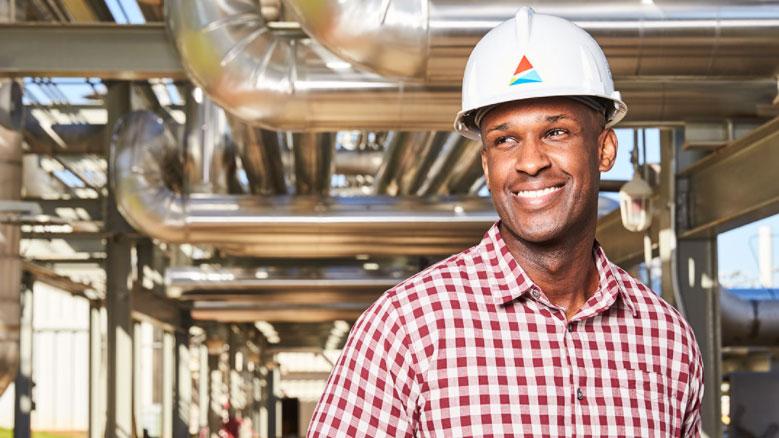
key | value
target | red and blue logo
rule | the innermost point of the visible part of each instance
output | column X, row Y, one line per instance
column 525, row 73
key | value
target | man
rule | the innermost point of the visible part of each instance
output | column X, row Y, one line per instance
column 533, row 332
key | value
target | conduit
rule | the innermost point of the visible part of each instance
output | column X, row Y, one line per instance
column 305, row 226
column 10, row 261
column 276, row 80
column 429, row 40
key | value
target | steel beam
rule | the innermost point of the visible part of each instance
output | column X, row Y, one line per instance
column 109, row 51
column 732, row 186
column 163, row 311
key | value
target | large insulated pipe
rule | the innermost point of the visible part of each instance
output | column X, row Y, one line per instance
column 748, row 322
column 281, row 226
column 10, row 261
column 276, row 80
column 429, row 40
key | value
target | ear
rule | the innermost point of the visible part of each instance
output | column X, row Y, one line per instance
column 607, row 150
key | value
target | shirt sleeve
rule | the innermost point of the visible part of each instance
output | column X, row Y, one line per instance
column 691, row 426
column 371, row 390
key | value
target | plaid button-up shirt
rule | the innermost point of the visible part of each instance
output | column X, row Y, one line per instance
column 472, row 347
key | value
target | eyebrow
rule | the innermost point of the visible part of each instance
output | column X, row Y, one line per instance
column 556, row 118
column 501, row 127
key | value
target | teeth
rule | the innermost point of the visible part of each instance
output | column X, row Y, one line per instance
column 536, row 193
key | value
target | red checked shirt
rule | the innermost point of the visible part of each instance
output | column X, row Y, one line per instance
column 472, row 347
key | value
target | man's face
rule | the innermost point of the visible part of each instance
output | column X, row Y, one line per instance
column 542, row 160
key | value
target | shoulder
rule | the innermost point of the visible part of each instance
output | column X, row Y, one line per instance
column 435, row 284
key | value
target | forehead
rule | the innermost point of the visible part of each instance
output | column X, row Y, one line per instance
column 537, row 110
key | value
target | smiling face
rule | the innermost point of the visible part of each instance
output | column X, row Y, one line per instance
column 542, row 160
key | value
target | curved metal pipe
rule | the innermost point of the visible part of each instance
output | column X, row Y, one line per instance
column 280, row 227
column 273, row 79
column 282, row 83
column 429, row 40
column 10, row 261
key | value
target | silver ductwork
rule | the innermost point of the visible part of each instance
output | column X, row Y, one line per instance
column 429, row 40
column 10, row 261
column 275, row 79
column 306, row 226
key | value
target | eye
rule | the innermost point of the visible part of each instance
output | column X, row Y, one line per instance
column 556, row 132
column 504, row 141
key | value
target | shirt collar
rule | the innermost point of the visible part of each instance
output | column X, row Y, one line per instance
column 508, row 281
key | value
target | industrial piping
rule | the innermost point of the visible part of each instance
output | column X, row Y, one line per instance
column 10, row 261
column 429, row 40
column 305, row 226
column 277, row 80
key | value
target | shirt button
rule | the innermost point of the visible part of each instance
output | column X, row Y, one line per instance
column 579, row 394
column 535, row 293
column 570, row 328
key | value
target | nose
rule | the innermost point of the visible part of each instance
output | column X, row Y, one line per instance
column 531, row 158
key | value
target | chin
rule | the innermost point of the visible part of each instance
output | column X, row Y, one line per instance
column 537, row 233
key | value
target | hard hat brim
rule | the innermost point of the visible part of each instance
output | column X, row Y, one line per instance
column 465, row 123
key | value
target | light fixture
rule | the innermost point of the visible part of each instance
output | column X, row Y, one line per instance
column 635, row 199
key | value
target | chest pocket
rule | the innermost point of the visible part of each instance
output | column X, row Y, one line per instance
column 637, row 401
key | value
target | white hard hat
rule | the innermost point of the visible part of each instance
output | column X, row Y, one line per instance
column 535, row 55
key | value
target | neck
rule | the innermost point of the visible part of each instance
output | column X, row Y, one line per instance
column 564, row 270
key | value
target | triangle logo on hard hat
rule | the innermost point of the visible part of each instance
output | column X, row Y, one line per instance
column 525, row 73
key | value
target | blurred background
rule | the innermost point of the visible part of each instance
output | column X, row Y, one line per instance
column 198, row 198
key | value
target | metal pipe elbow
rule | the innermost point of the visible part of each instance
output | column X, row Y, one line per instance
column 228, row 50
column 144, row 153
column 388, row 37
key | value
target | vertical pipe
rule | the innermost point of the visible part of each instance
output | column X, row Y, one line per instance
column 313, row 154
column 261, row 152
column 209, row 157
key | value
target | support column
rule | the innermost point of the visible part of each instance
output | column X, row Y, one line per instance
column 697, row 269
column 271, row 401
column 23, row 401
column 168, row 382
column 119, row 279
column 215, row 398
column 96, row 373
column 694, row 280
